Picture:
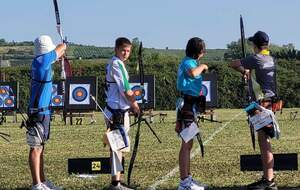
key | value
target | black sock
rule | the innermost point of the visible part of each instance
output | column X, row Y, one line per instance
column 115, row 183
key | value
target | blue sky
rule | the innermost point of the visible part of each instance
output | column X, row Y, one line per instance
column 158, row 23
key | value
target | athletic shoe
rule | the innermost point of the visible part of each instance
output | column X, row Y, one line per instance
column 51, row 186
column 189, row 184
column 198, row 183
column 182, row 187
column 262, row 184
column 40, row 186
column 119, row 187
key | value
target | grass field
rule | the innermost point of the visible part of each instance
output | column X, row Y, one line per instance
column 219, row 169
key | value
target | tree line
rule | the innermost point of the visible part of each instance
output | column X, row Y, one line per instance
column 164, row 67
column 229, row 83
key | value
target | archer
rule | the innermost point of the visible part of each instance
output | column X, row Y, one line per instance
column 263, row 93
column 189, row 83
column 119, row 99
column 38, row 130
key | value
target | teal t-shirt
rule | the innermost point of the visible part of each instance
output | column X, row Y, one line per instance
column 186, row 84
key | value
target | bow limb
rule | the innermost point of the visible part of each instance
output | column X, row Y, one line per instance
column 134, row 152
column 200, row 143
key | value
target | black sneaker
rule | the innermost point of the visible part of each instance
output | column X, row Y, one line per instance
column 262, row 184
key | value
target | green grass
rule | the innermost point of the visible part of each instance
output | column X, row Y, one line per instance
column 219, row 168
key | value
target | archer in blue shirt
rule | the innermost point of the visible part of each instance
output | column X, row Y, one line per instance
column 46, row 53
column 189, row 83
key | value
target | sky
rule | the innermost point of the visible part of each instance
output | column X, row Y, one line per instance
column 157, row 23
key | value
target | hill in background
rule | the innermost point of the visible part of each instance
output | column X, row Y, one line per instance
column 22, row 53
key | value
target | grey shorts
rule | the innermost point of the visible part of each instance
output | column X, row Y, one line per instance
column 38, row 134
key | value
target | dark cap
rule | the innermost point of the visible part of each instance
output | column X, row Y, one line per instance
column 260, row 38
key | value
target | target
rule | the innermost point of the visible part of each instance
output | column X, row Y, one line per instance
column 80, row 93
column 205, row 90
column 9, row 102
column 54, row 89
column 9, row 95
column 139, row 92
column 57, row 100
column 145, row 92
column 4, row 91
column 209, row 89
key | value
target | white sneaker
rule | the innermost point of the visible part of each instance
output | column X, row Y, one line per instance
column 51, row 186
column 195, row 186
column 198, row 183
column 182, row 187
column 40, row 186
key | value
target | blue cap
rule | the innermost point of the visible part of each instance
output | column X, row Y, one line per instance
column 260, row 38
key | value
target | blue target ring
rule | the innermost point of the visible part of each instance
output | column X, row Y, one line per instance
column 3, row 91
column 139, row 92
column 204, row 90
column 79, row 94
column 57, row 100
column 54, row 89
column 9, row 101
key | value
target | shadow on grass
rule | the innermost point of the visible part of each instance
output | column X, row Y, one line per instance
column 237, row 188
column 244, row 188
column 19, row 188
column 210, row 188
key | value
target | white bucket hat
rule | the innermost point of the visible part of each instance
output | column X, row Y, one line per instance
column 43, row 45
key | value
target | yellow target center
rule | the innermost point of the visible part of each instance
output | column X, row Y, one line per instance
column 137, row 93
column 79, row 94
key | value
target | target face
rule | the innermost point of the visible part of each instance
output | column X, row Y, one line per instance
column 9, row 93
column 4, row 91
column 9, row 102
column 205, row 91
column 54, row 89
column 57, row 100
column 79, row 94
column 139, row 92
